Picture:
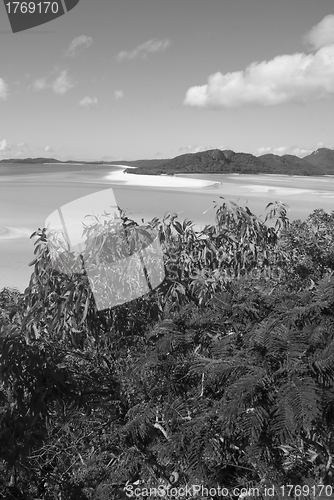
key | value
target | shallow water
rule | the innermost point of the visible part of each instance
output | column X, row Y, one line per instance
column 29, row 193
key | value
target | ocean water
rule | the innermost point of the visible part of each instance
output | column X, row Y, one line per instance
column 29, row 193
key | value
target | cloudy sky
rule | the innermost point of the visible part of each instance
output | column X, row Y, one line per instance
column 131, row 79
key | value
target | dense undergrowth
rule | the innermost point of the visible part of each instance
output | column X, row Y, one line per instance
column 221, row 376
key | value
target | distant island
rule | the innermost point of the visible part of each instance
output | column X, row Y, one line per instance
column 216, row 161
column 41, row 160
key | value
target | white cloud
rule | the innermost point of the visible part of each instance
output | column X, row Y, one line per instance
column 264, row 150
column 14, row 149
column 88, row 101
column 286, row 78
column 24, row 149
column 282, row 150
column 289, row 150
column 322, row 34
column 60, row 85
column 5, row 146
column 39, row 84
column 297, row 151
column 193, row 149
column 3, row 89
column 324, row 145
column 81, row 41
column 141, row 51
column 118, row 94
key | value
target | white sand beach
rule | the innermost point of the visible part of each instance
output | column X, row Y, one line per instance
column 159, row 181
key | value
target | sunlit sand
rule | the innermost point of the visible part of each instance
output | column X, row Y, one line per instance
column 159, row 181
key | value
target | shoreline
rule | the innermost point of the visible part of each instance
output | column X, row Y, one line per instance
column 158, row 180
column 102, row 166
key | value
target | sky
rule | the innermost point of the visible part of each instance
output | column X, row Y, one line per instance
column 140, row 79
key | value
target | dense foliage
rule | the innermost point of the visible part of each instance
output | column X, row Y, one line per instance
column 221, row 376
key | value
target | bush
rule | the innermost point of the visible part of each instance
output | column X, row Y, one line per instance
column 204, row 380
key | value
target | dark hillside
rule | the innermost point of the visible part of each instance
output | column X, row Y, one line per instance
column 227, row 161
column 323, row 158
column 213, row 161
column 290, row 165
column 30, row 160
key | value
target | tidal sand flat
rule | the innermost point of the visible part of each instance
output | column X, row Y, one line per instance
column 160, row 181
column 30, row 193
column 302, row 194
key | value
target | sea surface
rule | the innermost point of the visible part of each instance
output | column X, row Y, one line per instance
column 30, row 193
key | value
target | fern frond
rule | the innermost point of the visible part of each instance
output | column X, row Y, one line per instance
column 252, row 422
column 222, row 348
column 297, row 406
column 244, row 387
column 283, row 421
column 325, row 291
column 323, row 365
column 141, row 419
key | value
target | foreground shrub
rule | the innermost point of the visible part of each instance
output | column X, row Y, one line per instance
column 204, row 380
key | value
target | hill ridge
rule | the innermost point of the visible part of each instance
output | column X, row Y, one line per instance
column 215, row 161
column 227, row 161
